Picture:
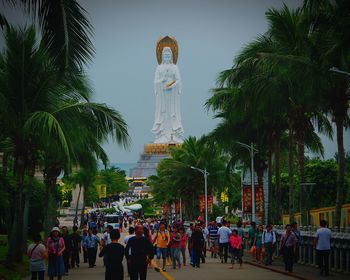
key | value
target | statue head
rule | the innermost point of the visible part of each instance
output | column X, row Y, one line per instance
column 167, row 56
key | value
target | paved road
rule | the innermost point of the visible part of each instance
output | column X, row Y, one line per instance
column 211, row 270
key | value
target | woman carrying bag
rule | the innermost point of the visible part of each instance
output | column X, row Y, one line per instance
column 37, row 254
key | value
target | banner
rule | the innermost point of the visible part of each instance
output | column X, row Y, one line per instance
column 202, row 204
column 177, row 207
column 247, row 199
column 166, row 208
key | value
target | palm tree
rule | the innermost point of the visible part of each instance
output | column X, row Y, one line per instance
column 177, row 180
column 329, row 25
column 64, row 27
column 42, row 109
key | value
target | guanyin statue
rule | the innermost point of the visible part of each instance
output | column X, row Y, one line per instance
column 167, row 125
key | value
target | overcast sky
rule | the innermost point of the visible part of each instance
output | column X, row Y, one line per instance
column 209, row 32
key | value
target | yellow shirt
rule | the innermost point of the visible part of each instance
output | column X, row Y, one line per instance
column 162, row 239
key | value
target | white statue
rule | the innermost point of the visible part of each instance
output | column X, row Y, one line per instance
column 167, row 85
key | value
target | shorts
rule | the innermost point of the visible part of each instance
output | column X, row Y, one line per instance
column 162, row 252
column 213, row 243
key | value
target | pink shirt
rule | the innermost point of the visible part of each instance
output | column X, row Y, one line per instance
column 236, row 241
column 38, row 253
column 51, row 245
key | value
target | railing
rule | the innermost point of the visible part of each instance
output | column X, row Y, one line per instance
column 339, row 258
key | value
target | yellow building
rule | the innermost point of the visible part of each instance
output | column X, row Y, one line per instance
column 325, row 213
column 102, row 191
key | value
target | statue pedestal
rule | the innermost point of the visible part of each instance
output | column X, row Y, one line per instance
column 150, row 158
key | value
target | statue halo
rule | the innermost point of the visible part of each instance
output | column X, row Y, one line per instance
column 170, row 42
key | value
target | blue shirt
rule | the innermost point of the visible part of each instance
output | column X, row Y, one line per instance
column 268, row 237
column 91, row 241
column 224, row 233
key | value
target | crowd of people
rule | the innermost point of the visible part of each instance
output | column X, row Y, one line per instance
column 169, row 244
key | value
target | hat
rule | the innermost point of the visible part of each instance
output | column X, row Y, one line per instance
column 55, row 229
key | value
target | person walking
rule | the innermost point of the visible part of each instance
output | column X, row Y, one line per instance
column 55, row 248
column 83, row 244
column 126, row 239
column 197, row 240
column 213, row 239
column 189, row 234
column 287, row 248
column 162, row 240
column 175, row 247
column 224, row 234
column 91, row 243
column 138, row 252
column 258, row 244
column 297, row 233
column 235, row 248
column 183, row 243
column 113, row 254
column 37, row 253
column 268, row 241
column 322, row 244
column 252, row 232
column 67, row 252
column 76, row 245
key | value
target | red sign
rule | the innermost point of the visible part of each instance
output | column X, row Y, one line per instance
column 202, row 204
column 247, row 199
column 177, row 207
column 166, row 208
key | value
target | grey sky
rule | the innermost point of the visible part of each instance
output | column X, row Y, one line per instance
column 210, row 33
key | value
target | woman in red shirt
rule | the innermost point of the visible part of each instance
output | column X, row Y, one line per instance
column 235, row 248
column 183, row 243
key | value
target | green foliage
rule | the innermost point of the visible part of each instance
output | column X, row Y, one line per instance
column 12, row 271
column 91, row 196
column 114, row 179
column 177, row 179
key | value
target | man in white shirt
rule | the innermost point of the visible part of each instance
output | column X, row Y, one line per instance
column 131, row 234
column 106, row 238
column 322, row 244
column 224, row 235
column 268, row 241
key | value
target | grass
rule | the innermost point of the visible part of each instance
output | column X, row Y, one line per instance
column 14, row 271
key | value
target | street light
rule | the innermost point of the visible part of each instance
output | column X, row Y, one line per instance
column 252, row 151
column 205, row 173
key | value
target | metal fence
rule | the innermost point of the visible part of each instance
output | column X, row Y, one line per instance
column 339, row 258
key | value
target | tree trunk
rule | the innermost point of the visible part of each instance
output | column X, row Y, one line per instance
column 31, row 172
column 50, row 179
column 14, row 253
column 341, row 171
column 291, row 174
column 270, row 194
column 303, row 210
column 77, row 206
column 82, row 214
column 278, row 181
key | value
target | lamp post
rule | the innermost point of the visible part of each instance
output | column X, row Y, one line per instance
column 205, row 173
column 252, row 151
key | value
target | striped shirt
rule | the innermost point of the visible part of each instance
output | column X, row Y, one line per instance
column 213, row 233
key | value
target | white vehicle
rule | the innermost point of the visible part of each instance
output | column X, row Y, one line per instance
column 113, row 220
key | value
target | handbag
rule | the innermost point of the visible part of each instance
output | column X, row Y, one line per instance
column 281, row 250
column 253, row 249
